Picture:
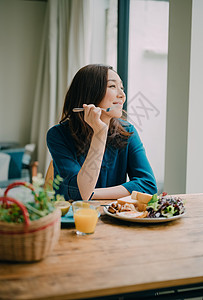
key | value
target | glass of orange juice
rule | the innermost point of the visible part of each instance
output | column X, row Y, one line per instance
column 85, row 215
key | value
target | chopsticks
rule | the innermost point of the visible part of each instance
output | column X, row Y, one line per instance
column 79, row 109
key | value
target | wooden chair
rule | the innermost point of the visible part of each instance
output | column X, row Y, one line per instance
column 34, row 168
column 49, row 176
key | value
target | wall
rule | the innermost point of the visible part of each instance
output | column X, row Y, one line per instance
column 180, row 13
column 21, row 24
column 184, row 143
column 194, row 181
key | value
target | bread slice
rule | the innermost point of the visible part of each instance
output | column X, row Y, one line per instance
column 142, row 200
column 141, row 197
column 141, row 206
column 134, row 195
column 126, row 199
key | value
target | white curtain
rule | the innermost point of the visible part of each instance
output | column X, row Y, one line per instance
column 65, row 48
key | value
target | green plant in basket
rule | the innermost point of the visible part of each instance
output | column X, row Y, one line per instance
column 42, row 204
column 30, row 228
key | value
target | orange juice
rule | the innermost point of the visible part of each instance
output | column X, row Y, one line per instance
column 85, row 220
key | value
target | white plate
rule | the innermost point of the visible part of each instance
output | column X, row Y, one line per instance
column 143, row 220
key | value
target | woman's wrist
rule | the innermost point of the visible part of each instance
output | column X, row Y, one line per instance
column 110, row 193
column 101, row 130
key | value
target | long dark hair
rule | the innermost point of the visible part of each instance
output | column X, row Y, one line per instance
column 89, row 86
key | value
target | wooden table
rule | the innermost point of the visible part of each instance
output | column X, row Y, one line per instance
column 120, row 257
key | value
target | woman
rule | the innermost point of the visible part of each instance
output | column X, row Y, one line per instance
column 94, row 150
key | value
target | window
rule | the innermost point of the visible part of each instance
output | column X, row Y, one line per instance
column 147, row 78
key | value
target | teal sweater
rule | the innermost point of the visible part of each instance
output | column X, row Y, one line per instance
column 116, row 165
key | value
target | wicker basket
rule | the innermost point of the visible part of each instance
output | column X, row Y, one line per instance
column 29, row 241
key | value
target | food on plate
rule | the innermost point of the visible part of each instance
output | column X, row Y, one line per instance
column 116, row 207
column 141, row 205
column 142, row 200
column 165, row 206
column 126, row 210
column 141, row 197
column 125, row 200
column 133, row 214
column 64, row 206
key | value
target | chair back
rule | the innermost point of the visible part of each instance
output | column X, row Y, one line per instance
column 49, row 176
column 4, row 165
column 16, row 157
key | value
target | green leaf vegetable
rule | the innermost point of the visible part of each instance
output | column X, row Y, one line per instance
column 153, row 203
column 169, row 211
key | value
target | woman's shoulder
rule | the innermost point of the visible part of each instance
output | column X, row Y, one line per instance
column 58, row 129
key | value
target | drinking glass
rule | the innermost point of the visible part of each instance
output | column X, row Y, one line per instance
column 86, row 215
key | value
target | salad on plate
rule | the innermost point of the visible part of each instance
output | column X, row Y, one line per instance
column 165, row 206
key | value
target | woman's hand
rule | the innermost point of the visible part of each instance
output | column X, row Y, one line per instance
column 89, row 172
column 92, row 116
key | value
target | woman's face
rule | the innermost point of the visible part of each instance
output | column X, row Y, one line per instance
column 114, row 96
